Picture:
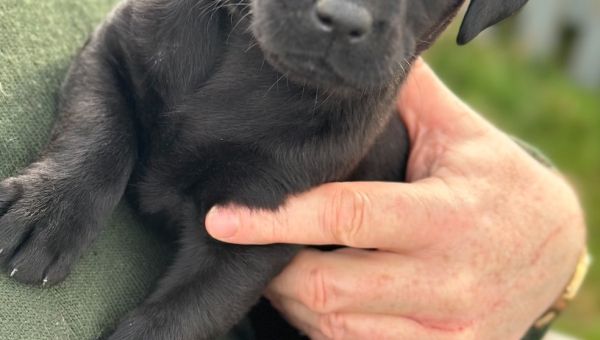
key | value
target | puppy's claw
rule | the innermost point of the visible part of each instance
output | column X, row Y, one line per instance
column 44, row 281
column 14, row 271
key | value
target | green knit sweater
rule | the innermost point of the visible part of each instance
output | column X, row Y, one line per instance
column 38, row 39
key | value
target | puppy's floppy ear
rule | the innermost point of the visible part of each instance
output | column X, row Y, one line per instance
column 485, row 13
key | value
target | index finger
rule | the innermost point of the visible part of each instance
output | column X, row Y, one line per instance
column 395, row 216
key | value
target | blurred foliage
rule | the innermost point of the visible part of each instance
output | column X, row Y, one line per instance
column 540, row 104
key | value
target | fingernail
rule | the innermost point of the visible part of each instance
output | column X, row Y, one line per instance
column 222, row 222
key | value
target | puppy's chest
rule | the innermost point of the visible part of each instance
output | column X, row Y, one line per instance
column 253, row 148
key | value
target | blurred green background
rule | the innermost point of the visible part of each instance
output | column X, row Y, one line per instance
column 538, row 100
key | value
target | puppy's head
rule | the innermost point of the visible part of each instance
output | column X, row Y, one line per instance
column 359, row 44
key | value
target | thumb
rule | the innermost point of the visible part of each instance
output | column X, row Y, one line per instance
column 426, row 104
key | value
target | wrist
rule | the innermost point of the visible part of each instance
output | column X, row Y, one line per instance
column 543, row 323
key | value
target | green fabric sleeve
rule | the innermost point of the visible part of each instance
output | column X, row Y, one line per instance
column 534, row 152
column 38, row 40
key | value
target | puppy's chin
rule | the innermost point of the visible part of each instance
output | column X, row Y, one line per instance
column 321, row 72
column 314, row 71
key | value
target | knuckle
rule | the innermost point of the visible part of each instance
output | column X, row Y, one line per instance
column 463, row 212
column 460, row 296
column 333, row 326
column 319, row 294
column 344, row 215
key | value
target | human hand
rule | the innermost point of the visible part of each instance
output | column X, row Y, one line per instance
column 477, row 245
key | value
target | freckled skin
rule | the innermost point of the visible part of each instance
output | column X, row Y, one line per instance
column 192, row 103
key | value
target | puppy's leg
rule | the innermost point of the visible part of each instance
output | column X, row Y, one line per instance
column 210, row 287
column 51, row 212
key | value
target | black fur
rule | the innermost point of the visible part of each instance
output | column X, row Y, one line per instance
column 193, row 103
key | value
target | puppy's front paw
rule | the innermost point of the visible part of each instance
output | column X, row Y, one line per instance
column 39, row 229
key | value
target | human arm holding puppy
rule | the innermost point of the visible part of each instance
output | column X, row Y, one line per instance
column 477, row 245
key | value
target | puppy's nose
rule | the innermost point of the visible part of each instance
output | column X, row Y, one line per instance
column 344, row 18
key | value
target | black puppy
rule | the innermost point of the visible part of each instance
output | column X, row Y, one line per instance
column 194, row 103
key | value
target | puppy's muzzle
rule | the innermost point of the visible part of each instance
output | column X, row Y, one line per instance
column 333, row 44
